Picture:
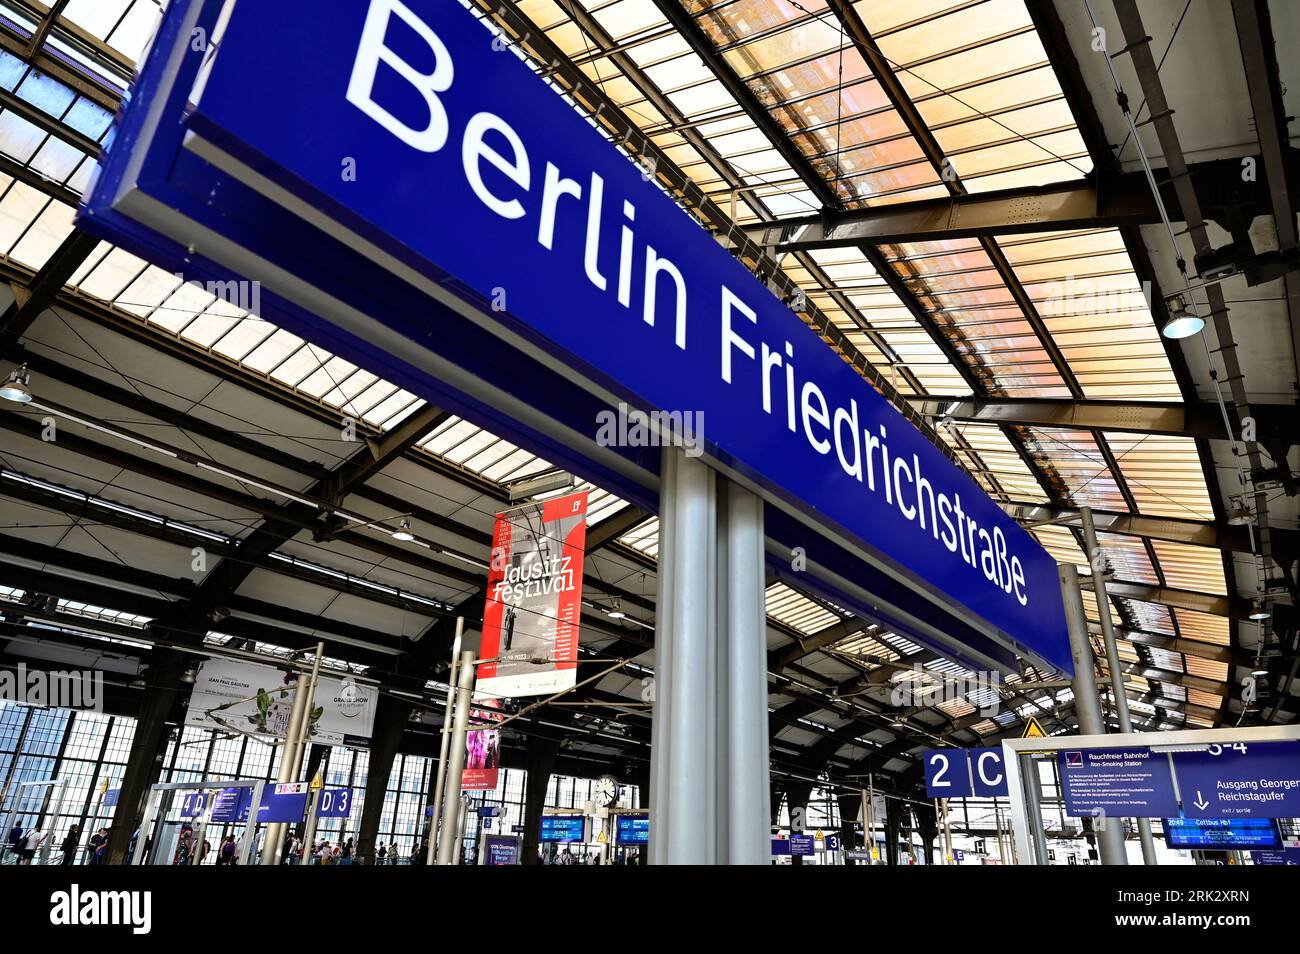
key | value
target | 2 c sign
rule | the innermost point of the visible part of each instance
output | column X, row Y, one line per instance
column 959, row 773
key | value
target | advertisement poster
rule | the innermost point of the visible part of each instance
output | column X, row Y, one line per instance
column 534, row 603
column 482, row 753
column 233, row 694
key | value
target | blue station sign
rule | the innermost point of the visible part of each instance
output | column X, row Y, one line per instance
column 1121, row 783
column 410, row 193
column 1242, row 780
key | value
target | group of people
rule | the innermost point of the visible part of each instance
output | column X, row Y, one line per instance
column 26, row 844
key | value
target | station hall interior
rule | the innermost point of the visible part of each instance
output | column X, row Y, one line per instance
column 1057, row 238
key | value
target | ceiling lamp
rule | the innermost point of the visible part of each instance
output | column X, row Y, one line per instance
column 403, row 533
column 1181, row 323
column 616, row 612
column 17, row 388
column 1240, row 517
column 1260, row 612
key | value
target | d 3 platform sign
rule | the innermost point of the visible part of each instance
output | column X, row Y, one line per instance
column 534, row 600
column 410, row 193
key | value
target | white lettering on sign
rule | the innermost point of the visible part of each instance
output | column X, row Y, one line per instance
column 489, row 142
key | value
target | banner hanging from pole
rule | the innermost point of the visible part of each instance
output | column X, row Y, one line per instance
column 534, row 602
column 482, row 752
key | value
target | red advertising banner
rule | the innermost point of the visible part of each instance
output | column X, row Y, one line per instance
column 534, row 603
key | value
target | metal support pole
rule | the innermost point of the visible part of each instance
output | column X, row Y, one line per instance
column 462, row 818
column 683, row 755
column 744, row 836
column 142, row 833
column 297, row 717
column 249, row 841
column 1034, row 805
column 309, row 833
column 447, row 847
column 1087, row 704
column 436, row 816
column 1118, row 690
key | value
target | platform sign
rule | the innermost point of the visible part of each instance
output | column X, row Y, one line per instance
column 110, row 797
column 193, row 803
column 442, row 123
column 947, row 773
column 802, row 845
column 1242, row 780
column 988, row 773
column 281, row 802
column 1127, row 783
column 230, row 805
column 781, row 847
column 334, row 803
column 1289, row 857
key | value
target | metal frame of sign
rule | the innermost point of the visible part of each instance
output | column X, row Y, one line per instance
column 151, row 186
column 1016, row 749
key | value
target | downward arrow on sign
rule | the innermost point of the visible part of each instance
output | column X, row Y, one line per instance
column 1200, row 802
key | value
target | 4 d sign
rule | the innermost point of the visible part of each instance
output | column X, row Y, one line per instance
column 494, row 253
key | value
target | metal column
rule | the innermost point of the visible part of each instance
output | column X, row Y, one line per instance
column 1034, row 804
column 448, row 845
column 435, row 818
column 709, row 755
column 742, row 680
column 1087, row 704
column 1113, row 666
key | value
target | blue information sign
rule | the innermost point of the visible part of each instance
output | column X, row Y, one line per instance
column 1121, row 783
column 832, row 842
column 110, row 797
column 1282, row 856
column 947, row 773
column 562, row 828
column 1243, row 780
column 334, row 803
column 657, row 314
column 780, row 846
column 632, row 830
column 802, row 845
column 230, row 805
column 1222, row 833
column 193, row 803
column 988, row 772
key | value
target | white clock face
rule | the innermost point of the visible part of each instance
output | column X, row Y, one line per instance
column 606, row 789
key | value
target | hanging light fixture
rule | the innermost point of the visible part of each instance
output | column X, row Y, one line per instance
column 18, row 387
column 403, row 532
column 1181, row 322
column 1259, row 613
column 1240, row 517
